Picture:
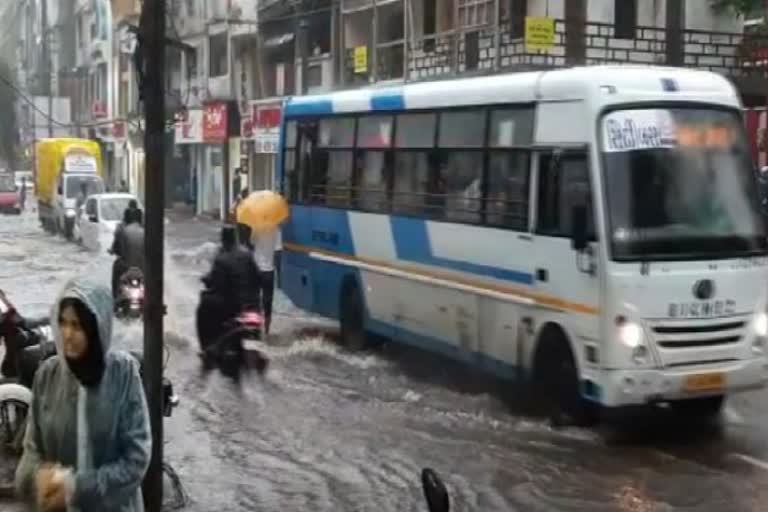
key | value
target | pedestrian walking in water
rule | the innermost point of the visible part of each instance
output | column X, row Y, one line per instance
column 88, row 441
column 266, row 250
column 23, row 192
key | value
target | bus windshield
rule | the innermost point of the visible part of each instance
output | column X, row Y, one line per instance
column 680, row 185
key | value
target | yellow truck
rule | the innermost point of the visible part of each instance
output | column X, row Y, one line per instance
column 66, row 172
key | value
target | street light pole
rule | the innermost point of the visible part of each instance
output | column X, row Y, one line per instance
column 152, row 38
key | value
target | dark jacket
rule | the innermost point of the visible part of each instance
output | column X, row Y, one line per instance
column 129, row 245
column 234, row 277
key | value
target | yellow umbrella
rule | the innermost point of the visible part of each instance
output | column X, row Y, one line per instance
column 263, row 211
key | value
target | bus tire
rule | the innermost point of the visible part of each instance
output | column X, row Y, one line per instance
column 556, row 382
column 352, row 316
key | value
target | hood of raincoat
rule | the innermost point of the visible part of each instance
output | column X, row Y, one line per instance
column 101, row 433
column 98, row 299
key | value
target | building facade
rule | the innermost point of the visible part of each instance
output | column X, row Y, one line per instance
column 233, row 62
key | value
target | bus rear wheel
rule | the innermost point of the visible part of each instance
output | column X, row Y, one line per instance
column 557, row 383
column 352, row 317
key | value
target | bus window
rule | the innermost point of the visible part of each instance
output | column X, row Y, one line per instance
column 511, row 127
column 290, row 170
column 462, row 129
column 563, row 183
column 508, row 189
column 373, row 169
column 303, row 180
column 375, row 132
column 416, row 130
column 338, row 185
column 411, row 182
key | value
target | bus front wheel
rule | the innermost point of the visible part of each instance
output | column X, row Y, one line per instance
column 556, row 379
column 352, row 317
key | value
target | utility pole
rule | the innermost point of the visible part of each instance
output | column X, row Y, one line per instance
column 152, row 38
column 47, row 64
column 304, row 51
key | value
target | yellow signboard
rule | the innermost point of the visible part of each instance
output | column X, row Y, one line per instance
column 539, row 33
column 361, row 59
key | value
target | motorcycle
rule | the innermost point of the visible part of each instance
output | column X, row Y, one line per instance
column 130, row 296
column 235, row 347
column 18, row 333
column 435, row 491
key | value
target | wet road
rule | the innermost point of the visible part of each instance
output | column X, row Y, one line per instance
column 329, row 430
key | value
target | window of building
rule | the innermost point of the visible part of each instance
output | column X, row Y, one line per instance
column 518, row 10
column 563, row 183
column 625, row 18
column 218, row 52
column 191, row 8
column 475, row 13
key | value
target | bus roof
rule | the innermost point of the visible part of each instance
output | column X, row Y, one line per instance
column 629, row 84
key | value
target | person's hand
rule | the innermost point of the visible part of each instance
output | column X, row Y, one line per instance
column 51, row 494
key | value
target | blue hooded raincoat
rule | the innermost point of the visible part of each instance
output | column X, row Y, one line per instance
column 101, row 433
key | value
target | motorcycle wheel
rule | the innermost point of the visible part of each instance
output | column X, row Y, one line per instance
column 15, row 401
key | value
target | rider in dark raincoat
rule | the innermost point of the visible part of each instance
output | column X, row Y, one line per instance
column 88, row 439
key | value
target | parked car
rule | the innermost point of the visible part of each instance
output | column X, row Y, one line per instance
column 9, row 195
column 99, row 217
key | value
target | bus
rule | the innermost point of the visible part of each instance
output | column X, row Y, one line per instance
column 594, row 232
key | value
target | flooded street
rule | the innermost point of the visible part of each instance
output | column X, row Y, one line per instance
column 329, row 430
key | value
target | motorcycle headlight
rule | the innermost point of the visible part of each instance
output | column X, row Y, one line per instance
column 70, row 213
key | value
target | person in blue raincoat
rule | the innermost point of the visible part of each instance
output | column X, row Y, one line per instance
column 88, row 441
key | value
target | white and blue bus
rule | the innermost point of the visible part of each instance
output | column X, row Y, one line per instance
column 595, row 230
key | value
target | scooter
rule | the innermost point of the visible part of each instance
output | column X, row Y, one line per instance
column 130, row 297
column 236, row 347
column 18, row 333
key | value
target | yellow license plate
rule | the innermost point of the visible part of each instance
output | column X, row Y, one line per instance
column 705, row 382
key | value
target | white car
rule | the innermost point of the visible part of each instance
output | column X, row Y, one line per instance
column 99, row 217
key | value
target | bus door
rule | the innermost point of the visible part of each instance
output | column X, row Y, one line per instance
column 566, row 273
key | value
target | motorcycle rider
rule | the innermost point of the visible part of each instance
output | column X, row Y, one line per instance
column 232, row 285
column 128, row 246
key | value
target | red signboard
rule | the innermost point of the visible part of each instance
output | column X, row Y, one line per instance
column 215, row 122
column 99, row 109
column 266, row 117
column 266, row 126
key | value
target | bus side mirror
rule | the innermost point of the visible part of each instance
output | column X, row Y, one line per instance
column 579, row 237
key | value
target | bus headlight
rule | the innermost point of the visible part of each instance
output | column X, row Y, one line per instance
column 631, row 334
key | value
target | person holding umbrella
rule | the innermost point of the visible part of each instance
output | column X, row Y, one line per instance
column 263, row 212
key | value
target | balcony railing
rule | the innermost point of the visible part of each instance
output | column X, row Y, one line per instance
column 460, row 52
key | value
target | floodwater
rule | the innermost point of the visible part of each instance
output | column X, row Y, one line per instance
column 330, row 430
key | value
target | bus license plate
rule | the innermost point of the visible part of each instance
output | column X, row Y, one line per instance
column 705, row 382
